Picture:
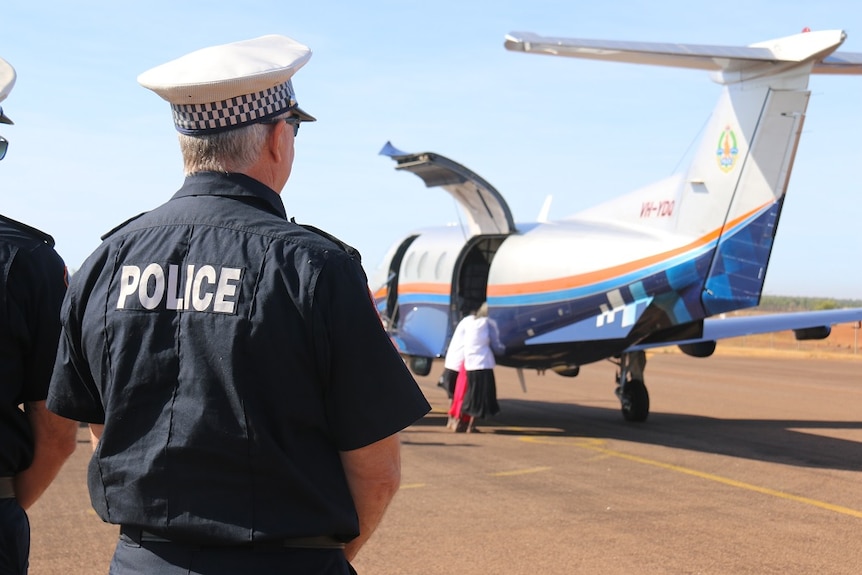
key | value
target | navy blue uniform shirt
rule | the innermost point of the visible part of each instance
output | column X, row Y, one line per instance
column 231, row 354
column 32, row 284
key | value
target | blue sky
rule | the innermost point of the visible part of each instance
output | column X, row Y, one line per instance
column 91, row 148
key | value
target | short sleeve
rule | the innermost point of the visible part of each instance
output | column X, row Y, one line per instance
column 369, row 391
column 37, row 283
column 73, row 392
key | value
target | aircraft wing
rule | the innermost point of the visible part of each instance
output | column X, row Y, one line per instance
column 806, row 324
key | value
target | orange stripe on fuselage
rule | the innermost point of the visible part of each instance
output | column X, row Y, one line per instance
column 381, row 293
column 589, row 278
column 425, row 287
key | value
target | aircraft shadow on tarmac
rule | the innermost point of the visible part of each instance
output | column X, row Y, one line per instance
column 802, row 443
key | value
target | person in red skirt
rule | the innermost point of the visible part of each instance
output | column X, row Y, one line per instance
column 481, row 341
column 455, row 376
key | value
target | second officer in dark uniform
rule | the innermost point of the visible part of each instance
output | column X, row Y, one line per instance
column 34, row 443
column 246, row 398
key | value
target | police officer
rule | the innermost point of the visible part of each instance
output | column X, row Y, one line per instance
column 34, row 442
column 245, row 396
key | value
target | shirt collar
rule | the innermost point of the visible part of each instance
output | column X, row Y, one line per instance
column 232, row 185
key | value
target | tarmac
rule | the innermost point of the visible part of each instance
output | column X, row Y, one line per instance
column 746, row 465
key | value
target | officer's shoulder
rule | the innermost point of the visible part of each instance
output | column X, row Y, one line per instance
column 108, row 234
column 330, row 239
column 29, row 231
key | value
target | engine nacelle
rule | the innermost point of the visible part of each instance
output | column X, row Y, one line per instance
column 699, row 349
column 819, row 332
column 566, row 370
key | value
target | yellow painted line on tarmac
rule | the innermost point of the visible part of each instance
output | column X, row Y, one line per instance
column 532, row 430
column 519, row 471
column 598, row 446
column 412, row 485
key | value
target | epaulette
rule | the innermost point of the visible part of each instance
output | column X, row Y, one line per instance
column 29, row 229
column 106, row 235
column 347, row 248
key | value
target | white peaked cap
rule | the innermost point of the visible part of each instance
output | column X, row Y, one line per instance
column 232, row 85
column 7, row 80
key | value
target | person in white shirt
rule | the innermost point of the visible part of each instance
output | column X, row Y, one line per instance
column 481, row 339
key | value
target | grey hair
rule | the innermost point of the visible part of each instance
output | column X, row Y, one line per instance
column 229, row 151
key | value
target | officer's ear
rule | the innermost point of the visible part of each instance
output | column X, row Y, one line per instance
column 276, row 142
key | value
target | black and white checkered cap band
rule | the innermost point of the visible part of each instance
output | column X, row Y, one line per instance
column 210, row 118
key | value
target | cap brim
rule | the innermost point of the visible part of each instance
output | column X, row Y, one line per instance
column 4, row 119
column 302, row 114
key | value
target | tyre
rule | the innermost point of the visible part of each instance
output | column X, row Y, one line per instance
column 421, row 366
column 635, row 401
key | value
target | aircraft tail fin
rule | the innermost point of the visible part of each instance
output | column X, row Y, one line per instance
column 546, row 209
column 729, row 200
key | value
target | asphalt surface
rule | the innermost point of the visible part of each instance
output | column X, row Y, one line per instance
column 746, row 465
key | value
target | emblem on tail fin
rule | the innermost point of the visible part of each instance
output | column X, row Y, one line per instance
column 727, row 151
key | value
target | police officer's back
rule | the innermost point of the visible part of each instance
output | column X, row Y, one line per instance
column 246, row 396
column 34, row 442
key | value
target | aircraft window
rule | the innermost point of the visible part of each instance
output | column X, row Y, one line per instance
column 420, row 271
column 440, row 268
column 407, row 263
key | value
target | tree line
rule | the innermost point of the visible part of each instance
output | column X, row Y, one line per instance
column 779, row 303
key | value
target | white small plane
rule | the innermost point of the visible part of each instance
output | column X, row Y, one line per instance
column 644, row 270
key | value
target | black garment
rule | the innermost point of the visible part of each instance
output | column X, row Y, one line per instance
column 231, row 354
column 32, row 284
column 480, row 400
column 447, row 381
column 14, row 538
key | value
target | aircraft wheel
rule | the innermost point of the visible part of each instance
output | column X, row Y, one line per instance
column 421, row 366
column 635, row 401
